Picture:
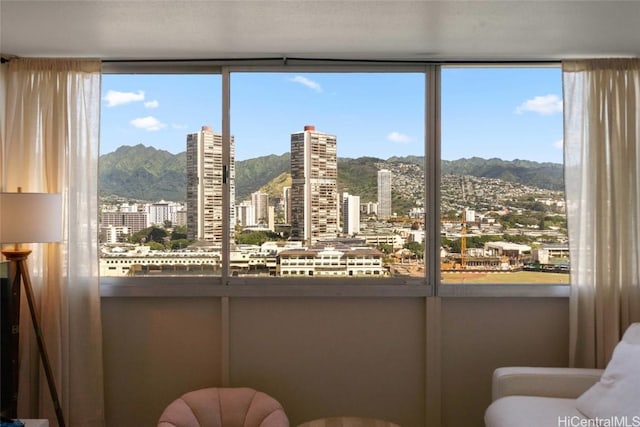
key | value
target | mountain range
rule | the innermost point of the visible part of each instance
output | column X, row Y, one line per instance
column 146, row 173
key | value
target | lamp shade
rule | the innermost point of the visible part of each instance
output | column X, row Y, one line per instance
column 30, row 217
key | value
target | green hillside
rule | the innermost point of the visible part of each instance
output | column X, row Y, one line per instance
column 274, row 187
column 359, row 177
column 146, row 173
column 252, row 174
column 542, row 175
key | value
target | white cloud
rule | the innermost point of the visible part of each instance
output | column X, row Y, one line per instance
column 178, row 126
column 113, row 97
column 152, row 104
column 398, row 137
column 149, row 123
column 307, row 82
column 547, row 104
column 559, row 144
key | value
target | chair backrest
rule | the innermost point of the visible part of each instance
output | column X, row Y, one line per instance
column 632, row 334
column 224, row 407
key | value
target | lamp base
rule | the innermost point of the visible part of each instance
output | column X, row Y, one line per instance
column 9, row 340
column 16, row 254
column 19, row 256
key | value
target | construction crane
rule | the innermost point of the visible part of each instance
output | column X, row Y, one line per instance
column 463, row 240
column 463, row 229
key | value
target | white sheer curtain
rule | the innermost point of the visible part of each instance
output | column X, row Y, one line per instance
column 50, row 144
column 602, row 179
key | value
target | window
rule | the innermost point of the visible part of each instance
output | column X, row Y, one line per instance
column 325, row 176
column 312, row 150
column 152, row 127
column 502, row 192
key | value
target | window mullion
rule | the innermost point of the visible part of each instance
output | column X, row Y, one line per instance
column 432, row 178
column 227, row 175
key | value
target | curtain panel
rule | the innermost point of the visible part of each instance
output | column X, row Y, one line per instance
column 602, row 182
column 50, row 145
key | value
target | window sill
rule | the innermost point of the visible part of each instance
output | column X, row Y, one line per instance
column 278, row 287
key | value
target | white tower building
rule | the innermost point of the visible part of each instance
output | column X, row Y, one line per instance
column 314, row 186
column 205, row 179
column 384, row 193
column 350, row 214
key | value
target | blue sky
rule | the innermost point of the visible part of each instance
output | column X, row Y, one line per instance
column 499, row 112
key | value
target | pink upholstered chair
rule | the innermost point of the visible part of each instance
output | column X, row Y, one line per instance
column 224, row 407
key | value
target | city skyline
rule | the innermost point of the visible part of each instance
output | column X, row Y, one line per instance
column 497, row 112
column 387, row 120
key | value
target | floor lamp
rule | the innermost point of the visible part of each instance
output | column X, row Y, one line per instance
column 31, row 218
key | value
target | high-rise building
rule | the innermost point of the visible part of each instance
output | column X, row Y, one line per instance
column 384, row 193
column 271, row 218
column 245, row 214
column 181, row 217
column 134, row 221
column 369, row 208
column 158, row 213
column 260, row 202
column 314, row 185
column 286, row 204
column 113, row 234
column 205, row 178
column 350, row 214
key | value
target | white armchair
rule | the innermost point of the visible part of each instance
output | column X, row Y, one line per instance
column 539, row 397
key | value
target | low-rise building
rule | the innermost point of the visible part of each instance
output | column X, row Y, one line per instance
column 339, row 260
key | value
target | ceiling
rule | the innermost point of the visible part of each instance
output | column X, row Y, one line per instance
column 410, row 30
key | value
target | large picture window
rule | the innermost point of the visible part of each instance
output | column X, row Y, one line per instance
column 325, row 176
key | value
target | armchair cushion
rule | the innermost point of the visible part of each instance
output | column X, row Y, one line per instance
column 543, row 382
column 531, row 411
column 616, row 394
column 224, row 407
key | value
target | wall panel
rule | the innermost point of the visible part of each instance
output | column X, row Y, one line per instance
column 333, row 356
column 481, row 334
column 156, row 349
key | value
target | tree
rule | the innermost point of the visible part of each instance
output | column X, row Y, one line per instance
column 538, row 207
column 180, row 244
column 416, row 248
column 521, row 240
column 157, row 234
column 150, row 234
column 385, row 248
column 155, row 246
column 446, row 243
column 479, row 241
column 541, row 225
column 179, row 232
column 256, row 237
